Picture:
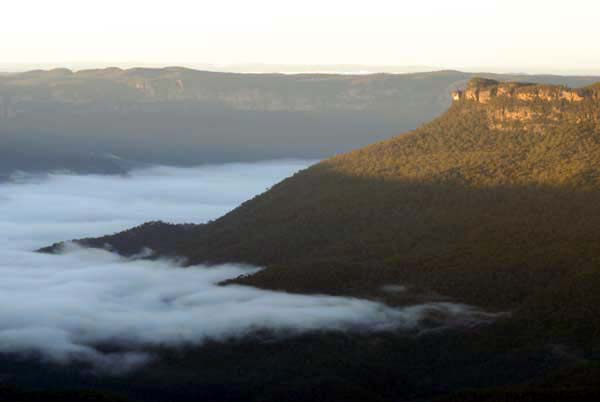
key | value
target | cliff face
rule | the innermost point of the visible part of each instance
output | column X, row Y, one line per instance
column 135, row 88
column 484, row 91
column 530, row 107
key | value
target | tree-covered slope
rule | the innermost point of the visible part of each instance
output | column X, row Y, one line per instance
column 496, row 203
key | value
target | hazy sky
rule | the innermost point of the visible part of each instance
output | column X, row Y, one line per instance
column 525, row 34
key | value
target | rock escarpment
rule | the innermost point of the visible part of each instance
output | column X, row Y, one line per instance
column 484, row 90
column 531, row 107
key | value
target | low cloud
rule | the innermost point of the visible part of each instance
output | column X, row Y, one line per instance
column 69, row 307
column 64, row 306
column 39, row 210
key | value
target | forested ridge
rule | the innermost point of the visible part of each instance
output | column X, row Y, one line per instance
column 496, row 216
column 494, row 203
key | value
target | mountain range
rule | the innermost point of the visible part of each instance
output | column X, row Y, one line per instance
column 111, row 120
column 495, row 203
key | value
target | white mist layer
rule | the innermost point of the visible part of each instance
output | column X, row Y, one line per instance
column 70, row 307
column 36, row 211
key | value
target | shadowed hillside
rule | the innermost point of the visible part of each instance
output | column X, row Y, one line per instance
column 495, row 203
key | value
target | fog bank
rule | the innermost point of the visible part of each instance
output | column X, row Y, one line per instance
column 70, row 307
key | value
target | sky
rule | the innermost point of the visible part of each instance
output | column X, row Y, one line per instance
column 508, row 35
column 60, row 308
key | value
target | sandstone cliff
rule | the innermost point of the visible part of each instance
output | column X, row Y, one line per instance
column 484, row 90
column 531, row 106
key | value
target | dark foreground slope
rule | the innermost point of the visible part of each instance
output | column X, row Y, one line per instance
column 111, row 119
column 495, row 203
column 324, row 367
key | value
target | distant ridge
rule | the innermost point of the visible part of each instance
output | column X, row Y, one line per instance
column 61, row 119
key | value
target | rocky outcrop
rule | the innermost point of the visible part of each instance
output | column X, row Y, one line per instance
column 484, row 90
column 530, row 107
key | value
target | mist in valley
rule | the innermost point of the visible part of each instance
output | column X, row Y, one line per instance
column 69, row 307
